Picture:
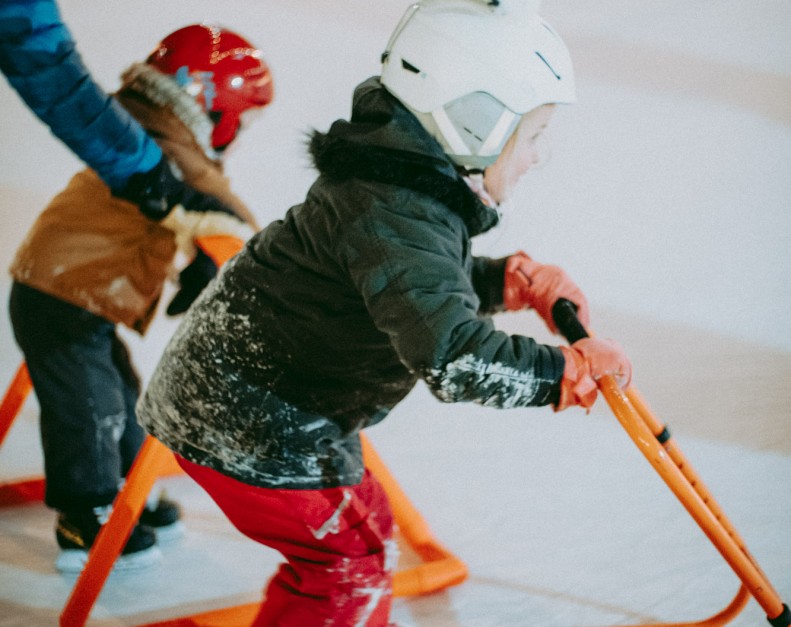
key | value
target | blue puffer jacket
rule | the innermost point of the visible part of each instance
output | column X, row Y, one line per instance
column 39, row 58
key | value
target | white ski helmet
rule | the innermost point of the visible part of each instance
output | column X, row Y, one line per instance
column 470, row 69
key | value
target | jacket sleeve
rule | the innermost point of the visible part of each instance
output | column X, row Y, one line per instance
column 39, row 58
column 412, row 278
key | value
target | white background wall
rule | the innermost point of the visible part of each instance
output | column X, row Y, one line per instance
column 668, row 195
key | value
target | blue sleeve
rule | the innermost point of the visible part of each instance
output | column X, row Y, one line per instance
column 39, row 58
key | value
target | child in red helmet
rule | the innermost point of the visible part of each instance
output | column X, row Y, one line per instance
column 225, row 74
column 92, row 261
column 329, row 317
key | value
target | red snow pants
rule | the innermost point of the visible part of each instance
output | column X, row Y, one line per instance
column 337, row 542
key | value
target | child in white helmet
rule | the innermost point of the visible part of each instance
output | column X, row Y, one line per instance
column 93, row 260
column 328, row 317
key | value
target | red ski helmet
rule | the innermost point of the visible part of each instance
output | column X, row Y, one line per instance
column 223, row 71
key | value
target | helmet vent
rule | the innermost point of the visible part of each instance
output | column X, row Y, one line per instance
column 551, row 69
column 408, row 66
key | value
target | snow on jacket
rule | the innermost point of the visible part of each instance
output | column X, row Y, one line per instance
column 39, row 58
column 99, row 252
column 330, row 316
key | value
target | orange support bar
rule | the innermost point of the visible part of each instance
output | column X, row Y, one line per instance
column 21, row 491
column 654, row 442
column 720, row 619
column 441, row 568
column 659, row 458
column 26, row 489
column 153, row 455
column 14, row 398
column 220, row 248
column 679, row 459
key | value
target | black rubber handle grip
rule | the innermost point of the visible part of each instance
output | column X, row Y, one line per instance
column 564, row 313
column 784, row 620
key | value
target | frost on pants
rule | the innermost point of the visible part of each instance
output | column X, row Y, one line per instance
column 361, row 583
column 333, row 523
column 368, row 594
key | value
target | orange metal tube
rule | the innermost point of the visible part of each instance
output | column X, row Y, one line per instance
column 654, row 442
column 115, row 532
column 13, row 399
column 680, row 460
column 27, row 489
column 442, row 568
column 21, row 491
column 220, row 248
column 659, row 458
column 718, row 620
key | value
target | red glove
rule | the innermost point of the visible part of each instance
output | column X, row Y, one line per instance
column 587, row 361
column 531, row 284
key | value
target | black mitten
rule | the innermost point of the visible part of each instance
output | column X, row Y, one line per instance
column 156, row 192
column 192, row 280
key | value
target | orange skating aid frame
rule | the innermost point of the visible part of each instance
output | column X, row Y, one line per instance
column 28, row 488
column 655, row 443
column 13, row 399
column 440, row 570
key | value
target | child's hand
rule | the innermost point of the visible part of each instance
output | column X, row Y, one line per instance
column 587, row 361
column 531, row 284
column 155, row 192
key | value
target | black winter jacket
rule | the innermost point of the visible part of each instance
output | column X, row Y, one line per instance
column 328, row 317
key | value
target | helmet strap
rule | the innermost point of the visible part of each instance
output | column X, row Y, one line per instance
column 499, row 134
column 449, row 132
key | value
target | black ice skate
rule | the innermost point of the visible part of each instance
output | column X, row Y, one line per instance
column 76, row 532
column 164, row 517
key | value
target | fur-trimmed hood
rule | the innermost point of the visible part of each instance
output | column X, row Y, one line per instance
column 164, row 91
column 385, row 143
column 182, row 129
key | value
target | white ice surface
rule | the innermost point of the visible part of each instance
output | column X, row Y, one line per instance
column 667, row 199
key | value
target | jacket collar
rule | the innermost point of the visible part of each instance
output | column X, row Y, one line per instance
column 385, row 143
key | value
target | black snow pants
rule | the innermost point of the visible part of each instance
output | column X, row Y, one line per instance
column 86, row 389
